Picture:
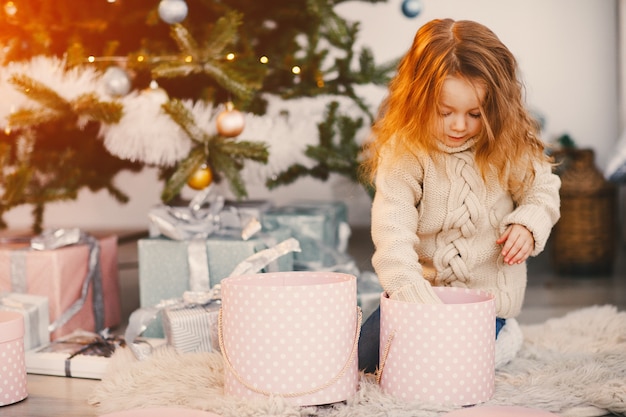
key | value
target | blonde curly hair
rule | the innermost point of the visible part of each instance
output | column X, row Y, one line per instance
column 508, row 143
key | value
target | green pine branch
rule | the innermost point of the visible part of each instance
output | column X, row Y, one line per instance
column 242, row 149
column 184, row 169
column 183, row 118
column 55, row 169
column 56, row 108
column 225, row 156
column 101, row 111
column 41, row 93
column 209, row 57
column 337, row 151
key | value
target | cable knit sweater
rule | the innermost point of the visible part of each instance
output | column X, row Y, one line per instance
column 435, row 223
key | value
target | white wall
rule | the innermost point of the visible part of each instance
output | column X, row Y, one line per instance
column 622, row 124
column 567, row 51
column 622, row 62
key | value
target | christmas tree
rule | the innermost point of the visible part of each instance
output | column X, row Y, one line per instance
column 199, row 88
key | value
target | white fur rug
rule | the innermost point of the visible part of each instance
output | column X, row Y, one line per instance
column 574, row 366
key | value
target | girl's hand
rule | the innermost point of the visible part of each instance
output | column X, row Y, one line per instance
column 518, row 244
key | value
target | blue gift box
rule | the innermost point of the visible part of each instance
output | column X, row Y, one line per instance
column 318, row 225
column 167, row 268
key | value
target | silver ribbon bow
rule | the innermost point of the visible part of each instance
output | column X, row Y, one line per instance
column 196, row 221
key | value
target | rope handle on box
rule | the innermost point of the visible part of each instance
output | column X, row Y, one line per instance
column 379, row 371
column 293, row 394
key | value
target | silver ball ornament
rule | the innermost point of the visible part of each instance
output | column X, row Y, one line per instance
column 412, row 8
column 116, row 81
column 173, row 11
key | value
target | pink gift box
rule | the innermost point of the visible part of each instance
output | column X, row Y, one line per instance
column 290, row 334
column 439, row 353
column 12, row 363
column 59, row 275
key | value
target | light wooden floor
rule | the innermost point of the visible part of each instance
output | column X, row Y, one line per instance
column 548, row 295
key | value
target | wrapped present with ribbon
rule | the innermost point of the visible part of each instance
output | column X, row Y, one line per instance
column 316, row 224
column 192, row 327
column 190, row 322
column 34, row 308
column 80, row 354
column 194, row 247
column 75, row 271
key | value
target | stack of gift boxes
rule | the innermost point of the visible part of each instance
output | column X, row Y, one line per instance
column 181, row 264
column 73, row 276
column 61, row 281
column 166, row 265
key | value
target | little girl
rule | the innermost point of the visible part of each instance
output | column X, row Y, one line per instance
column 464, row 190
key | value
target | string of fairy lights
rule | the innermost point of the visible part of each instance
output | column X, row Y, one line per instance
column 263, row 59
column 176, row 11
column 171, row 12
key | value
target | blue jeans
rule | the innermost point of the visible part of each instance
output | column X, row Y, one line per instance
column 369, row 341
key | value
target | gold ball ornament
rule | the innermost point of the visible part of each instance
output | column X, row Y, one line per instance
column 230, row 122
column 201, row 178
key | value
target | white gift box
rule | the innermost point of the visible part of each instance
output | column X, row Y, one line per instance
column 80, row 354
column 34, row 308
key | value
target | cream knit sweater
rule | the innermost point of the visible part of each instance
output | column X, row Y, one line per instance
column 435, row 223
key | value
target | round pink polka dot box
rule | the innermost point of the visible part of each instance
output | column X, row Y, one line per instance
column 12, row 365
column 439, row 353
column 291, row 334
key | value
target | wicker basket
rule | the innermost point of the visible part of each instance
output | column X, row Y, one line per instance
column 583, row 241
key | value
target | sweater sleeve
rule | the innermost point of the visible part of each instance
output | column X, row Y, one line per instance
column 539, row 208
column 394, row 231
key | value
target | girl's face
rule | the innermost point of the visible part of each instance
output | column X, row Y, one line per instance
column 459, row 111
